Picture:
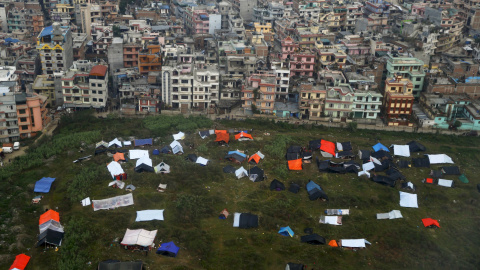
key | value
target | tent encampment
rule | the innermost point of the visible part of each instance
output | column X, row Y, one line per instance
column 49, row 215
column 240, row 172
column 277, row 185
column 394, row 214
column 401, row 150
column 236, row 156
column 112, row 203
column 377, row 147
column 144, row 164
column 119, row 156
column 176, row 147
column 139, row 237
column 222, row 136
column 313, row 239
column 162, row 167
column 421, row 162
column 168, row 249
column 118, row 265
column 315, row 191
column 43, row 185
column 115, row 169
column 295, row 165
column 286, row 231
column 147, row 215
column 294, row 188
column 243, row 136
column 136, row 154
column 445, row 183
column 115, row 143
column 344, row 146
column 254, row 159
column 332, row 220
column 245, row 220
column 439, row 159
column 408, row 200
column 141, row 142
column 21, row 261
column 328, row 147
column 50, row 237
column 430, row 223
column 256, row 174
column 179, row 136
column 451, row 170
column 415, row 146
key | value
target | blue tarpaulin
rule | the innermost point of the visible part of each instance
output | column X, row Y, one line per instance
column 11, row 40
column 165, row 7
column 203, row 17
column 141, row 142
column 121, row 76
column 43, row 185
column 168, row 249
column 156, row 152
column 286, row 231
column 377, row 147
column 312, row 185
column 238, row 153
column 46, row 31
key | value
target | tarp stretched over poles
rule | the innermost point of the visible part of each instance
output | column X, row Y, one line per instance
column 112, row 203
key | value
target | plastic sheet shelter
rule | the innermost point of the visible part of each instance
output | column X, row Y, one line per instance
column 354, row 243
column 115, row 169
column 254, row 159
column 162, row 167
column 430, row 223
column 328, row 147
column 242, row 136
column 394, row 214
column 49, row 215
column 179, row 136
column 141, row 142
column 115, row 142
column 168, row 249
column 332, row 220
column 295, row 165
column 377, row 147
column 43, row 185
column 113, row 203
column 245, row 220
column 241, row 172
column 119, row 156
column 286, row 231
column 136, row 154
column 20, row 262
column 176, row 147
column 401, row 150
column 148, row 215
column 139, row 237
column 408, row 200
column 50, row 237
column 440, row 159
column 313, row 239
column 222, row 136
column 51, row 225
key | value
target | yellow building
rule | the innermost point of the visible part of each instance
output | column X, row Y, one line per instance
column 44, row 86
column 263, row 28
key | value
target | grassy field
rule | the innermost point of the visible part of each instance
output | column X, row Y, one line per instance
column 195, row 196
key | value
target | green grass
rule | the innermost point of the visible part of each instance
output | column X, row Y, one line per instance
column 195, row 196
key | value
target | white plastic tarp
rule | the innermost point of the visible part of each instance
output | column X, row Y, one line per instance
column 52, row 225
column 202, row 161
column 332, row 220
column 112, row 203
column 390, row 215
column 374, row 160
column 440, row 159
column 368, row 166
column 360, row 173
column 339, row 147
column 408, row 200
column 401, row 150
column 354, row 243
column 445, row 183
column 241, row 172
column 262, row 156
column 115, row 168
column 325, row 154
column 86, row 201
column 410, row 184
column 176, row 147
column 147, row 215
column 127, row 143
column 136, row 154
column 115, row 142
column 179, row 136
column 236, row 220
column 162, row 168
column 119, row 184
column 139, row 237
column 144, row 160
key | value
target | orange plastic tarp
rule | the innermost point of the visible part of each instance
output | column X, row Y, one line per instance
column 429, row 222
column 49, row 215
column 118, row 156
column 430, row 180
column 255, row 158
column 333, row 243
column 328, row 147
column 220, row 131
column 222, row 137
column 243, row 135
column 20, row 262
column 295, row 165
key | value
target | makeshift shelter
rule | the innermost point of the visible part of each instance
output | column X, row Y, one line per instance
column 401, row 150
column 136, row 154
column 162, row 167
column 439, row 159
column 50, row 237
column 421, row 162
column 294, row 149
column 286, row 231
column 315, row 191
column 165, row 150
column 179, row 136
column 394, row 214
column 242, row 136
column 168, row 249
column 49, row 215
column 176, row 147
column 403, row 164
column 79, row 159
column 436, row 173
column 115, row 143
column 222, row 136
column 148, row 215
column 86, row 201
column 245, row 220
column 345, row 155
column 156, row 152
column 295, row 165
column 254, row 159
column 203, row 134
column 328, row 147
column 445, row 183
column 241, row 172
column 415, row 146
column 384, row 180
column 354, row 243
column 229, row 169
column 115, row 169
column 430, row 223
column 99, row 151
column 332, row 220
column 314, row 145
column 294, row 188
column 294, row 266
column 338, row 212
column 130, row 187
column 428, row 181
column 112, row 203
column 333, row 243
column 119, row 157
column 202, row 161
column 381, row 155
column 127, row 143
column 43, row 185
column 141, row 142
column 408, row 186
column 408, row 200
column 256, row 174
column 452, row 170
column 117, row 184
column 394, row 174
column 51, row 225
column 101, row 144
column 144, row 164
column 463, row 178
column 277, row 185
column 307, row 155
column 364, row 155
column 377, row 147
column 313, row 239
column 236, row 156
column 118, row 265
column 140, row 237
column 224, row 214
column 344, row 146
column 20, row 262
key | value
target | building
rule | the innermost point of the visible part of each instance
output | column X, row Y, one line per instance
column 115, row 54
column 339, row 101
column 31, row 113
column 150, row 59
column 367, row 104
column 302, row 64
column 130, row 54
column 289, row 47
column 44, row 85
column 410, row 68
column 56, row 48
column 264, row 85
column 312, row 101
column 79, row 46
column 398, row 101
column 8, row 113
column 28, row 67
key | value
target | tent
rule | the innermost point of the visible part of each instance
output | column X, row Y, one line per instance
column 144, row 168
column 333, row 243
column 384, row 180
column 332, row 220
column 101, row 144
column 162, row 167
column 381, row 155
column 436, row 173
column 115, row 142
column 377, row 147
column 256, row 174
column 328, row 147
column 408, row 200
column 168, row 249
column 286, row 231
column 130, row 187
column 115, row 169
column 277, row 185
column 314, row 145
column 136, row 154
column 408, row 186
column 445, row 183
column 141, row 142
column 345, row 155
column 118, row 156
column 294, row 188
column 430, row 223
column 315, row 191
column 428, row 180
column 242, row 136
column 401, row 150
column 307, row 155
column 203, row 134
column 222, row 136
column 145, row 160
column 20, row 262
column 139, row 237
column 127, row 143
column 147, row 215
column 99, row 151
column 118, row 265
column 50, row 237
column 176, row 147
column 294, row 149
column 245, row 220
column 415, row 146
column 43, row 185
column 224, row 214
column 229, row 169
column 117, row 184
column 165, row 150
column 202, row 161
column 403, row 164
column 394, row 214
column 295, row 165
column 354, row 243
column 463, row 178
column 368, row 166
column 179, row 136
column 241, row 172
column 313, row 239
column 236, row 156
column 86, row 201
column 344, row 146
column 364, row 155
column 112, row 203
column 254, row 159
column 49, row 215
column 339, row 212
column 452, row 170
column 294, row 266
column 156, row 152
column 394, row 174
column 439, row 159
column 52, row 225
column 421, row 162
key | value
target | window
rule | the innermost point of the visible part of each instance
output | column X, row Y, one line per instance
column 22, row 111
column 94, row 92
column 94, row 99
column 393, row 88
column 100, row 92
column 100, row 100
column 24, row 127
column 93, row 84
column 100, row 85
column 417, row 86
column 330, row 105
column 347, row 98
column 23, row 119
column 345, row 106
column 358, row 106
column 373, row 107
column 371, row 114
column 184, row 81
column 374, row 99
column 359, row 98
column 418, row 79
column 86, row 99
column 85, row 92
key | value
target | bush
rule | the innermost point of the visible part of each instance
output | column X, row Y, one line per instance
column 202, row 148
column 278, row 146
column 74, row 251
column 352, row 126
column 191, row 207
column 82, row 183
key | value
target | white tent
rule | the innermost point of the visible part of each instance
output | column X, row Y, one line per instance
column 86, row 201
column 440, row 159
column 176, row 147
column 115, row 168
column 52, row 225
column 202, row 161
column 115, row 142
column 136, row 154
column 390, row 215
column 241, row 172
column 139, row 237
column 119, row 184
column 332, row 220
column 354, row 243
column 445, row 183
column 236, row 220
column 368, row 166
column 376, row 161
column 360, row 173
column 112, row 203
column 147, row 215
column 162, row 168
column 401, row 150
column 408, row 200
column 179, row 136
column 127, row 143
column 144, row 160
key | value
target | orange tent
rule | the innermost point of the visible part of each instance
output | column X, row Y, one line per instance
column 328, row 147
column 20, row 262
column 295, row 165
column 118, row 156
column 429, row 180
column 222, row 137
column 333, row 243
column 243, row 135
column 49, row 215
column 220, row 131
column 429, row 222
column 256, row 158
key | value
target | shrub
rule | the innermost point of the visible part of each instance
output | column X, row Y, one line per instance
column 278, row 146
column 82, row 183
column 352, row 126
column 191, row 207
column 74, row 251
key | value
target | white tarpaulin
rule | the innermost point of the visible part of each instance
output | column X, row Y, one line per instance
column 332, row 220
column 401, row 150
column 147, row 215
column 408, row 200
column 112, row 203
column 368, row 166
column 339, row 147
column 241, row 172
column 136, row 154
column 118, row 183
column 127, row 143
column 360, row 173
column 202, row 161
column 52, row 225
column 86, row 201
column 115, row 142
column 445, row 183
column 176, row 147
column 354, row 243
column 144, row 160
column 262, row 156
column 115, row 168
column 179, row 136
column 390, row 215
column 236, row 220
column 139, row 237
column 376, row 161
column 440, row 159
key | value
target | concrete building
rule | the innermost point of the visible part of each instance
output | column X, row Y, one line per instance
column 150, row 59
column 55, row 47
column 130, row 54
column 4, row 8
column 244, row 8
column 31, row 113
column 289, row 47
column 8, row 113
column 115, row 55
column 79, row 46
column 45, row 85
column 312, row 100
column 367, row 104
column 302, row 64
column 28, row 67
column 410, row 68
column 398, row 101
column 339, row 101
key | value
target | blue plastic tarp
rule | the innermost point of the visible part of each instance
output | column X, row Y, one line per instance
column 11, row 40
column 168, row 249
column 238, row 153
column 165, row 7
column 46, row 31
column 156, row 152
column 377, row 147
column 286, row 231
column 203, row 17
column 141, row 142
column 312, row 185
column 121, row 76
column 43, row 185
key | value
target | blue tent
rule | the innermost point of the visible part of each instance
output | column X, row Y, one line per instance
column 156, row 152
column 238, row 153
column 315, row 191
column 377, row 147
column 43, row 185
column 168, row 249
column 141, row 142
column 286, row 231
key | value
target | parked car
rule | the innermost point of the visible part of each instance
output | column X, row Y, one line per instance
column 16, row 146
column 7, row 149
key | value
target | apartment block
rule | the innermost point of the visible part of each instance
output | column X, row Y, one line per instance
column 410, row 68
column 398, row 101
column 55, row 47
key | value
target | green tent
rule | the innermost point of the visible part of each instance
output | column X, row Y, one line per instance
column 463, row 178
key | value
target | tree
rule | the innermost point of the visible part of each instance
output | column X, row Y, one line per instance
column 116, row 31
column 457, row 124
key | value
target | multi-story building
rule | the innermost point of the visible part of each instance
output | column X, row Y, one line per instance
column 259, row 93
column 354, row 12
column 79, row 46
column 410, row 68
column 302, row 64
column 45, row 85
column 4, row 8
column 31, row 113
column 102, row 37
column 289, row 47
column 367, row 104
column 282, row 73
column 339, row 101
column 451, row 26
column 63, row 13
column 55, row 47
column 8, row 113
column 398, row 101
column 312, row 100
column 197, row 20
column 309, row 10
column 26, row 20
column 130, row 54
column 150, row 59
column 331, row 56
column 28, row 67
column 244, row 8
column 469, row 13
column 379, row 7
